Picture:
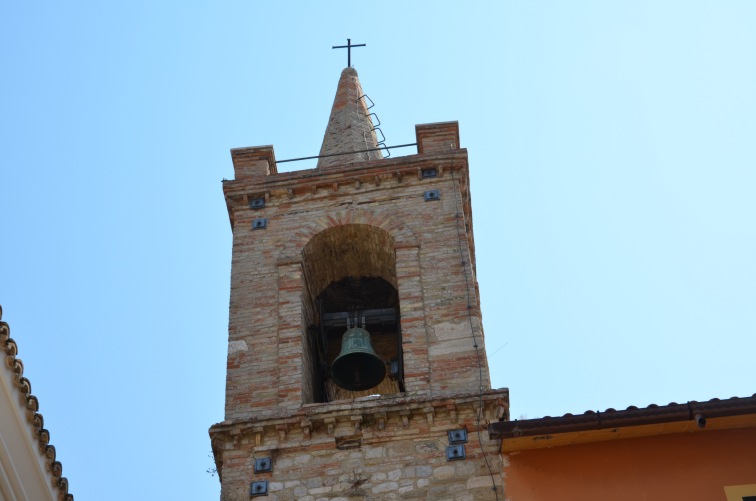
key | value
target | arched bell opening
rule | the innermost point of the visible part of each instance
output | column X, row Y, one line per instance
column 350, row 280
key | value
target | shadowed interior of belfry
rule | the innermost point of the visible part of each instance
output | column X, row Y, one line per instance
column 350, row 277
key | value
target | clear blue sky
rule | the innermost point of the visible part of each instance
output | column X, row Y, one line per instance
column 613, row 176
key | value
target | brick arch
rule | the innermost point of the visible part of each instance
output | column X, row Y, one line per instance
column 348, row 250
column 349, row 259
column 400, row 233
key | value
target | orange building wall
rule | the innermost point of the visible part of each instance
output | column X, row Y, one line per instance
column 684, row 466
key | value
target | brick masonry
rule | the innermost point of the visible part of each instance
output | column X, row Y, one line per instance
column 350, row 128
column 387, row 447
column 375, row 448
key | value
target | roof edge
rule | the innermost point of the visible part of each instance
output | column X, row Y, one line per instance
column 33, row 418
column 632, row 416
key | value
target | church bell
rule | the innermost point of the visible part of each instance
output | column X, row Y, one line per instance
column 357, row 367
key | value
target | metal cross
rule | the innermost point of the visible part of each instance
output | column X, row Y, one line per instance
column 348, row 47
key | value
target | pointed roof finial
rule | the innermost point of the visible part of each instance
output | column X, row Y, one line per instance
column 350, row 131
column 348, row 47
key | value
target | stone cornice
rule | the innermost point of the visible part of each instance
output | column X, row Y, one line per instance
column 368, row 417
column 351, row 424
column 31, row 406
column 292, row 184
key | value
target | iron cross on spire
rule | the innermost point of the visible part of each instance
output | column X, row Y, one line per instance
column 348, row 47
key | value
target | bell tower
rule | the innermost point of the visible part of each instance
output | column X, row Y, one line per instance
column 356, row 362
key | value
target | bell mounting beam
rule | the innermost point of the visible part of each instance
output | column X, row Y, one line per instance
column 379, row 315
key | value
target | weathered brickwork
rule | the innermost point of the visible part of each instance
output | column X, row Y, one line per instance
column 403, row 225
column 373, row 449
column 349, row 126
column 268, row 363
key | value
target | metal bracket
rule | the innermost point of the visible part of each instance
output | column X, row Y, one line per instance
column 259, row 224
column 432, row 195
column 394, row 366
column 259, row 488
column 263, row 464
column 455, row 452
column 368, row 98
column 457, row 436
column 376, row 119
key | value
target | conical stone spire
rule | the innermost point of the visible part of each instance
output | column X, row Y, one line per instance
column 349, row 126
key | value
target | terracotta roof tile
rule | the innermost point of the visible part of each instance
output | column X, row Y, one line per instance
column 35, row 420
column 632, row 416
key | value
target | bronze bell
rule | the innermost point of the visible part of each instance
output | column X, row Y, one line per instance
column 357, row 367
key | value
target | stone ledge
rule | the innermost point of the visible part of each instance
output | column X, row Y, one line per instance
column 371, row 419
column 376, row 171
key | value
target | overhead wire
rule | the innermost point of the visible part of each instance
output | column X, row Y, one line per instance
column 479, row 417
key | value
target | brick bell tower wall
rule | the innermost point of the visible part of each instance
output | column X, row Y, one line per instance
column 396, row 234
column 267, row 362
